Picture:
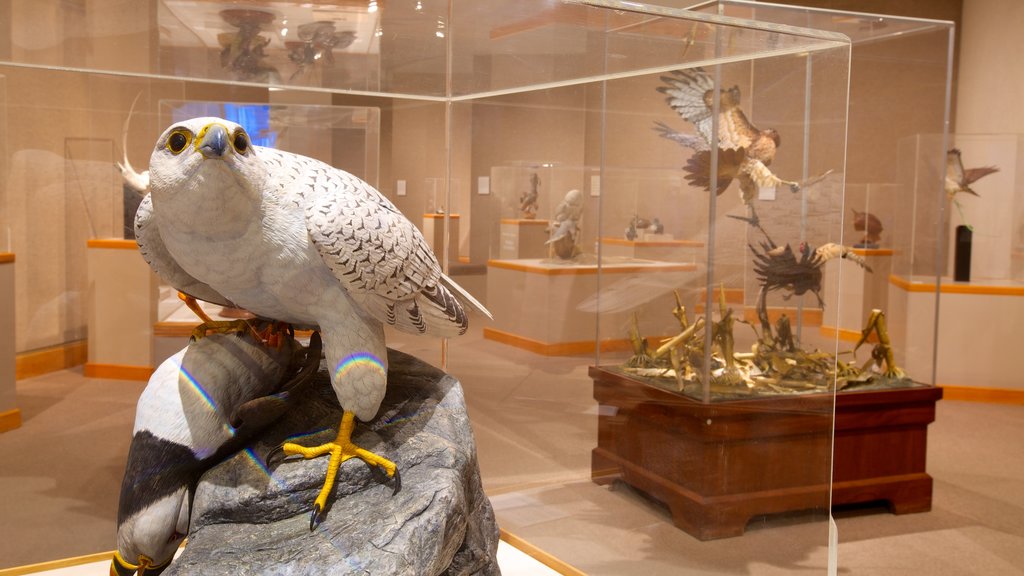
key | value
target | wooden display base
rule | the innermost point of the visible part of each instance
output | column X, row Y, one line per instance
column 716, row 466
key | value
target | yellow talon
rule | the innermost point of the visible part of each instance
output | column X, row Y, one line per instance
column 146, row 566
column 340, row 450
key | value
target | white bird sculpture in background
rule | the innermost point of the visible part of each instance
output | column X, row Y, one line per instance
column 292, row 239
column 565, row 228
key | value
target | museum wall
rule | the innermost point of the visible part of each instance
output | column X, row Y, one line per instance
column 63, row 137
column 525, row 129
column 991, row 84
column 62, row 187
column 48, row 213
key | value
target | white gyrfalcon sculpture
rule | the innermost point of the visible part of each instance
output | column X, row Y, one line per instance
column 293, row 239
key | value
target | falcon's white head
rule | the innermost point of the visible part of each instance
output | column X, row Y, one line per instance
column 204, row 154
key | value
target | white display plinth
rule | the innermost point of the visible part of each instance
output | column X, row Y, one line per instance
column 522, row 238
column 862, row 291
column 123, row 293
column 979, row 336
column 652, row 247
column 433, row 231
column 10, row 415
column 549, row 307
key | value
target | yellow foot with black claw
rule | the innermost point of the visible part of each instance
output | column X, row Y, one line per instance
column 340, row 450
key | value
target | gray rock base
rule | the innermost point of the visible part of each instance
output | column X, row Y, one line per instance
column 250, row 520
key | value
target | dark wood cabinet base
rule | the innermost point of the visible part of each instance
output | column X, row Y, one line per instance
column 718, row 465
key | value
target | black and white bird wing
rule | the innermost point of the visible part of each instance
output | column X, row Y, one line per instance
column 153, row 251
column 258, row 413
column 380, row 257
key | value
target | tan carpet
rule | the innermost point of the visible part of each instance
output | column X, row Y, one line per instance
column 535, row 423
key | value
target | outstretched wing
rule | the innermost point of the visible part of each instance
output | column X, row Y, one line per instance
column 151, row 246
column 831, row 250
column 972, row 175
column 378, row 255
column 690, row 94
column 698, row 168
column 687, row 140
column 764, row 177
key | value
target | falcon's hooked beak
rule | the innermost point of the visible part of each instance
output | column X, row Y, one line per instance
column 121, row 567
column 213, row 141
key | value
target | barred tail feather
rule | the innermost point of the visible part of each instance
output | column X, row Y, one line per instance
column 465, row 297
column 439, row 310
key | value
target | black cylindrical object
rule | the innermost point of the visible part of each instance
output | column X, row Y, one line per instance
column 962, row 255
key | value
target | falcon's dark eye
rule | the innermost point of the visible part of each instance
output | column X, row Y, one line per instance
column 240, row 141
column 178, row 140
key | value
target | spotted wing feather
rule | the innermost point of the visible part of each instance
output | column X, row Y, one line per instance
column 377, row 254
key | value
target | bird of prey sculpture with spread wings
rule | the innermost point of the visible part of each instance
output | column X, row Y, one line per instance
column 744, row 151
column 959, row 179
column 293, row 239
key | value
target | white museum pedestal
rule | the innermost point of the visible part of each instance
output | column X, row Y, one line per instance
column 550, row 307
column 652, row 247
column 123, row 293
column 433, row 231
column 978, row 332
column 521, row 238
column 10, row 414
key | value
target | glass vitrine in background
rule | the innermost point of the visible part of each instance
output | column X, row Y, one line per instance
column 457, row 106
column 970, row 260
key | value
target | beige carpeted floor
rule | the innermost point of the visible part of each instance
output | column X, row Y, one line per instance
column 535, row 423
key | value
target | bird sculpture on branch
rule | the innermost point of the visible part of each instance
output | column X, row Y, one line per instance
column 564, row 229
column 959, row 179
column 745, row 152
column 870, row 225
column 528, row 199
column 296, row 240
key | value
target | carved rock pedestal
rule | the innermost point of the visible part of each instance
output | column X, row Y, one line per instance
column 250, row 520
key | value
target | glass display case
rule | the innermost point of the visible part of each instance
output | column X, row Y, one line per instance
column 896, row 158
column 972, row 259
column 796, row 308
column 529, row 141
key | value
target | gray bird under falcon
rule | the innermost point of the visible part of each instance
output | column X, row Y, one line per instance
column 293, row 239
